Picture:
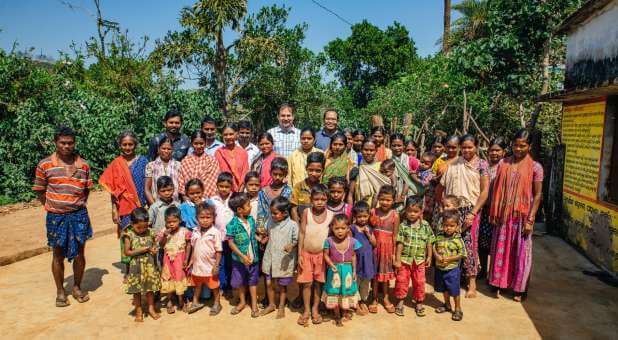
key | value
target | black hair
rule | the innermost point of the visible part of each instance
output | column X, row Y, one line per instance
column 523, row 134
column 164, row 140
column 245, row 124
column 265, row 135
column 204, row 206
column 172, row 212
column 286, row 106
column 359, row 133
column 411, row 142
column 499, row 141
column 388, row 164
column 319, row 189
column 378, row 128
column 250, row 175
column 316, row 157
column 346, row 131
column 279, row 163
column 208, row 120
column 468, row 138
column 339, row 135
column 164, row 182
column 127, row 133
column 64, row 131
column 192, row 182
column 398, row 136
column 232, row 126
column 225, row 177
column 438, row 140
column 280, row 203
column 139, row 215
column 171, row 114
column 359, row 207
column 340, row 218
column 198, row 134
column 414, row 201
column 387, row 190
column 451, row 215
column 453, row 138
column 337, row 180
column 367, row 141
column 429, row 154
column 237, row 200
column 330, row 109
column 454, row 199
column 308, row 129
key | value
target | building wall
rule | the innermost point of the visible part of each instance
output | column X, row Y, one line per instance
column 592, row 50
column 591, row 223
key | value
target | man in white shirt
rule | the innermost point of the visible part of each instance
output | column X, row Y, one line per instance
column 286, row 136
column 245, row 136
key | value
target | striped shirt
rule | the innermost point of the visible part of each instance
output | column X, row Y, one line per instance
column 66, row 187
column 286, row 140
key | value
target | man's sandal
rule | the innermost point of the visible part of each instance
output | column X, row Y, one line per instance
column 443, row 309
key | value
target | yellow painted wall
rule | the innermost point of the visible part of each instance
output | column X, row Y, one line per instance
column 591, row 224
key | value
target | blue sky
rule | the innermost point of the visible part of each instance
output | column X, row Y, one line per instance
column 49, row 26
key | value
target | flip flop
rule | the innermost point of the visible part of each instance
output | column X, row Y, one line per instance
column 303, row 321
column 215, row 309
column 399, row 311
column 81, row 298
column 235, row 310
column 443, row 309
column 255, row 313
column 457, row 315
column 420, row 311
column 170, row 309
column 195, row 307
column 62, row 302
column 317, row 320
column 373, row 309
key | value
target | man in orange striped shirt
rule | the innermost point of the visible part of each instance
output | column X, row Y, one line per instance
column 62, row 183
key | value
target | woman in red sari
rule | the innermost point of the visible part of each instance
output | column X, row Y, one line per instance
column 232, row 157
column 515, row 201
column 261, row 164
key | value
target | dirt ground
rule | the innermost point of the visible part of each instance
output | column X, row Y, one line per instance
column 563, row 302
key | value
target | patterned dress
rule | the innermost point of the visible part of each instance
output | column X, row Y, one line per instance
column 173, row 276
column 158, row 168
column 340, row 289
column 143, row 275
column 383, row 228
column 485, row 228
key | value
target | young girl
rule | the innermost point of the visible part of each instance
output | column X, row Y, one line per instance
column 313, row 233
column 174, row 240
column 199, row 165
column 366, row 180
column 277, row 187
column 194, row 191
column 262, row 163
column 449, row 250
column 338, row 164
column 280, row 255
column 414, row 242
column 301, row 193
column 378, row 134
column 340, row 255
column 385, row 223
column 412, row 152
column 232, row 157
column 241, row 238
column 164, row 165
column 252, row 188
column 365, row 267
column 297, row 162
column 144, row 277
column 336, row 196
column 206, row 258
column 358, row 138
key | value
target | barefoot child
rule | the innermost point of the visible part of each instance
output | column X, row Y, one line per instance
column 340, row 255
column 449, row 250
column 414, row 243
column 242, row 240
column 336, row 196
column 301, row 193
column 365, row 267
column 385, row 223
column 313, row 233
column 280, row 255
column 206, row 258
column 252, row 188
column 174, row 240
column 144, row 277
column 194, row 191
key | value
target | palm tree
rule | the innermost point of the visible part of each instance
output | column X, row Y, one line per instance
column 447, row 26
column 472, row 23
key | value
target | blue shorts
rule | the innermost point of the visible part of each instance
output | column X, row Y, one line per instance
column 448, row 280
column 243, row 275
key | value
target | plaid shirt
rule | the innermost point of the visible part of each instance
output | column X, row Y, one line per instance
column 415, row 238
column 286, row 141
column 244, row 241
column 204, row 168
column 449, row 246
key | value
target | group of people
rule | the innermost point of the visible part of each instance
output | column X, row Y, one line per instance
column 338, row 212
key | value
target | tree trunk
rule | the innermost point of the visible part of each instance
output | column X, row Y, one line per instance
column 447, row 26
column 534, row 117
column 220, row 73
column 97, row 4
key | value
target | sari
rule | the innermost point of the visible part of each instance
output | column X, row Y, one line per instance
column 383, row 153
column 262, row 166
column 369, row 181
column 234, row 161
column 403, row 177
column 336, row 167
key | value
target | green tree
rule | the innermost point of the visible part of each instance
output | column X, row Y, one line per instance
column 472, row 23
column 370, row 57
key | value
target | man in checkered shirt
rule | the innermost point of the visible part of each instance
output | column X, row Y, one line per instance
column 286, row 136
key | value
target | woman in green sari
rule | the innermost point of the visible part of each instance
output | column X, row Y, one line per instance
column 405, row 185
column 338, row 164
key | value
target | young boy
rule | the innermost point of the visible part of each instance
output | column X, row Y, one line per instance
column 449, row 250
column 206, row 242
column 245, row 135
column 413, row 255
column 314, row 227
column 280, row 256
column 301, row 193
column 156, row 212
column 220, row 201
column 242, row 241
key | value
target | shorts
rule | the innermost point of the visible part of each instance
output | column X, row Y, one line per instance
column 448, row 280
column 312, row 268
column 281, row 281
column 212, row 282
column 243, row 275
